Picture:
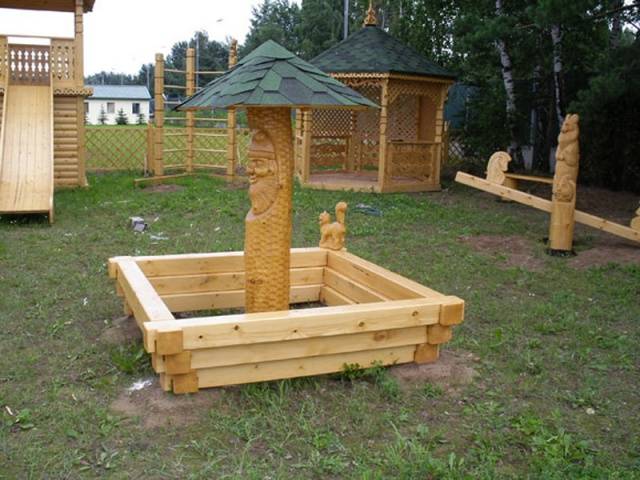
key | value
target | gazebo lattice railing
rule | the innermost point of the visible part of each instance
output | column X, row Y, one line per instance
column 396, row 148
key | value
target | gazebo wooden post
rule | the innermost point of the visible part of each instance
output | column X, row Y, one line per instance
column 382, row 151
column 268, row 224
column 158, row 134
column 307, row 118
column 232, row 155
column 190, row 114
column 437, row 152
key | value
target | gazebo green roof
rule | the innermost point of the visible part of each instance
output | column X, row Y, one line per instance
column 273, row 76
column 372, row 50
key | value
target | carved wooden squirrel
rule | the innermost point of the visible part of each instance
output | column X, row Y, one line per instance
column 332, row 234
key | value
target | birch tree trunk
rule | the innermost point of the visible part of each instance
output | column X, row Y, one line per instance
column 507, row 78
column 556, row 39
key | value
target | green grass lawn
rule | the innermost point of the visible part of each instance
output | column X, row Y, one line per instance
column 556, row 395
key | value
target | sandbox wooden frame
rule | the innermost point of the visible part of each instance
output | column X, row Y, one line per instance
column 372, row 316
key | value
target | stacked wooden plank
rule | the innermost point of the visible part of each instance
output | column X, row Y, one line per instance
column 371, row 316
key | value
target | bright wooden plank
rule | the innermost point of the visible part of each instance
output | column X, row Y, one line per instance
column 380, row 280
column 504, row 192
column 309, row 347
column 331, row 298
column 222, row 262
column 26, row 170
column 220, row 282
column 191, row 302
column 226, row 330
column 301, row 367
column 607, row 226
column 350, row 288
column 530, row 178
column 145, row 303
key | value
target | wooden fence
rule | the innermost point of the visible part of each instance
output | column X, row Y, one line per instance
column 113, row 148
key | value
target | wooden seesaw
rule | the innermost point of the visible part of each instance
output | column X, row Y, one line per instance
column 562, row 205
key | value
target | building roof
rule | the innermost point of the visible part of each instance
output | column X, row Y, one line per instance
column 119, row 92
column 51, row 5
column 372, row 50
column 273, row 76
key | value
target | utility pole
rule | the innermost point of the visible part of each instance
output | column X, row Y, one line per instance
column 345, row 28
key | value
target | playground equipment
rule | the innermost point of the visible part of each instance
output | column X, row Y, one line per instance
column 397, row 148
column 369, row 315
column 563, row 202
column 42, row 115
column 189, row 144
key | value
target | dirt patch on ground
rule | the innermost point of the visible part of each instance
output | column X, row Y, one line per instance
column 157, row 408
column 515, row 251
column 123, row 330
column 452, row 370
column 163, row 188
column 600, row 255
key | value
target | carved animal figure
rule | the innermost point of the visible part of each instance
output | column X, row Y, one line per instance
column 332, row 234
column 498, row 164
column 567, row 157
column 635, row 222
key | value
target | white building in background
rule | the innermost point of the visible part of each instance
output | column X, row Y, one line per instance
column 134, row 101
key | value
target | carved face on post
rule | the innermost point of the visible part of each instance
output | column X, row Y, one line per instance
column 262, row 171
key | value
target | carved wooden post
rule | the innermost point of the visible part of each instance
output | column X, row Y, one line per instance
column 190, row 115
column 268, row 223
column 158, row 166
column 232, row 155
column 563, row 202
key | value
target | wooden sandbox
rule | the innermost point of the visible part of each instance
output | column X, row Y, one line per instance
column 369, row 316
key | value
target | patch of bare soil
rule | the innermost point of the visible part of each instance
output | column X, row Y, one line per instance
column 452, row 370
column 157, row 408
column 603, row 254
column 163, row 188
column 515, row 250
column 123, row 330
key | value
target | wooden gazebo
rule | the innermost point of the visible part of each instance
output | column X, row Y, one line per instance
column 397, row 148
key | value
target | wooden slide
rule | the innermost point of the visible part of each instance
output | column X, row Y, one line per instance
column 26, row 150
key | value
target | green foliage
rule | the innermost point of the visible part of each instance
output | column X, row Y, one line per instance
column 142, row 120
column 130, row 359
column 121, row 118
column 275, row 20
column 609, row 127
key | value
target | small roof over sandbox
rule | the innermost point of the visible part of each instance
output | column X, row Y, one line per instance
column 396, row 148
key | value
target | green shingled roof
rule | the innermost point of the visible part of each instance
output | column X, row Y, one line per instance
column 372, row 50
column 272, row 76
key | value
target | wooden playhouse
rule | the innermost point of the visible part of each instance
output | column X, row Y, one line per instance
column 397, row 148
column 361, row 315
column 41, row 112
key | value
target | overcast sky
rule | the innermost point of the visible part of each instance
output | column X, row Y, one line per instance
column 121, row 35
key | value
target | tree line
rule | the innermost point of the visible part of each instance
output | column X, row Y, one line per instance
column 531, row 61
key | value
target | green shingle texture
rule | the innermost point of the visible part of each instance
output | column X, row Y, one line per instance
column 372, row 50
column 273, row 76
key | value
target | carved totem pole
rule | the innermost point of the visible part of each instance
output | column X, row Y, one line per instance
column 563, row 201
column 268, row 223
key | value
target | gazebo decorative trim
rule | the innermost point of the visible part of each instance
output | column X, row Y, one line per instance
column 396, row 148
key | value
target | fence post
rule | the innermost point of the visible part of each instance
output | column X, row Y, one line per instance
column 191, row 89
column 232, row 159
column 150, row 151
column 158, row 148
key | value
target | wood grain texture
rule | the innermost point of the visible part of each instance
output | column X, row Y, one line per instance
column 26, row 168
